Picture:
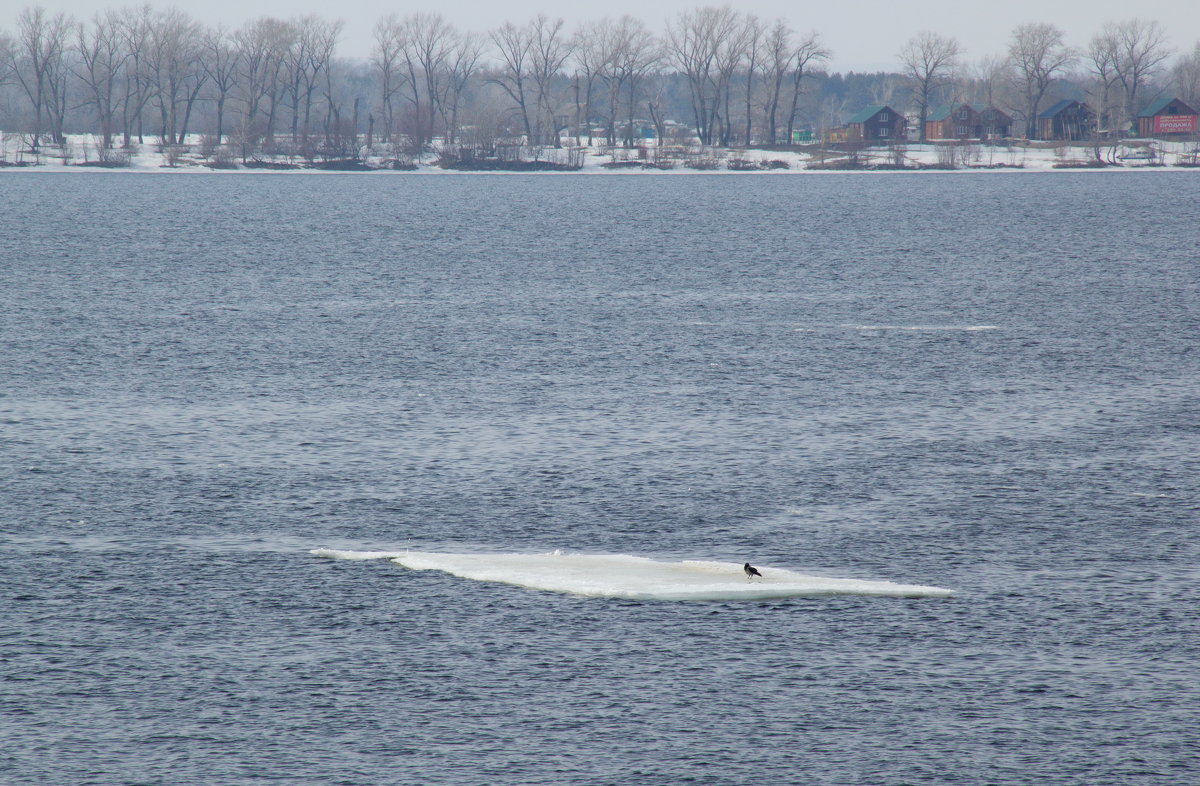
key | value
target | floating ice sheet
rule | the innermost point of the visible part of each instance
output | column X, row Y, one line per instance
column 637, row 578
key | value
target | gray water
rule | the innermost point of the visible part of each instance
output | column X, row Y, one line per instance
column 985, row 383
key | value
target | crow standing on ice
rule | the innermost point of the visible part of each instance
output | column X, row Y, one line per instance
column 751, row 571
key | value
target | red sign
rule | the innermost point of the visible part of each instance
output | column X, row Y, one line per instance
column 1174, row 124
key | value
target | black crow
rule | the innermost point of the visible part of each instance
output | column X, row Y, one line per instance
column 751, row 571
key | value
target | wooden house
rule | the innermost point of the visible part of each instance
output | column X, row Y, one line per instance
column 1167, row 117
column 877, row 124
column 1067, row 120
column 951, row 121
column 967, row 121
column 995, row 123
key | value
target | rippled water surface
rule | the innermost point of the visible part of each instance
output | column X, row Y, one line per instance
column 989, row 384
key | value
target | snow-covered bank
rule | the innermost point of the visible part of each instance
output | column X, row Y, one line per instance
column 81, row 154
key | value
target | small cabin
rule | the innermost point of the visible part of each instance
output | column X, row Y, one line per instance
column 1066, row 120
column 876, row 125
column 967, row 121
column 1166, row 117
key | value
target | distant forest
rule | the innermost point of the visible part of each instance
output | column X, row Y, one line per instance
column 136, row 75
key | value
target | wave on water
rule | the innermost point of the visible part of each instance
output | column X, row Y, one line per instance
column 966, row 328
column 637, row 578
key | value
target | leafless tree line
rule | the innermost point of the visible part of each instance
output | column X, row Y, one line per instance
column 139, row 72
column 1121, row 64
column 134, row 72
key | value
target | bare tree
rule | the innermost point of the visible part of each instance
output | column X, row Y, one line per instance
column 692, row 48
column 930, row 61
column 135, row 24
column 514, row 45
column 308, row 55
column 262, row 47
column 426, row 40
column 592, row 50
column 731, row 51
column 8, row 66
column 532, row 57
column 990, row 74
column 776, row 64
column 385, row 59
column 808, row 51
column 654, row 104
column 1038, row 56
column 1186, row 76
column 550, row 50
column 176, row 70
column 1136, row 50
column 1101, row 62
column 786, row 60
column 325, row 39
column 610, row 56
column 755, row 31
column 220, row 63
column 101, row 58
column 41, row 68
column 461, row 63
column 700, row 43
column 619, row 54
column 635, row 54
column 341, row 131
column 296, row 59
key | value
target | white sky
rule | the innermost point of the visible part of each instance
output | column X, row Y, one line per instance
column 864, row 35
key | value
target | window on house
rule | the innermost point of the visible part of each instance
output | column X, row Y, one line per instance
column 963, row 115
column 883, row 132
column 883, row 117
column 963, row 131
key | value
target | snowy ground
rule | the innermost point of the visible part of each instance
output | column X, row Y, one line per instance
column 82, row 154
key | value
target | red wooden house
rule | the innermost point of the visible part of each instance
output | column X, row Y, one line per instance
column 1167, row 117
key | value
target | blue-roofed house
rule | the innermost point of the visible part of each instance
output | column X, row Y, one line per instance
column 877, row 124
column 1166, row 117
column 1067, row 120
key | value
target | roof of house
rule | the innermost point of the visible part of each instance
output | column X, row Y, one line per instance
column 863, row 115
column 1057, row 108
column 944, row 111
column 941, row 113
column 1161, row 104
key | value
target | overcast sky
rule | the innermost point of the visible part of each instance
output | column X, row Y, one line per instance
column 863, row 34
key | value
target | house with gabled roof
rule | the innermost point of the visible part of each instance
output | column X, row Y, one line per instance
column 877, row 124
column 1167, row 117
column 951, row 121
column 1066, row 120
column 967, row 121
column 997, row 124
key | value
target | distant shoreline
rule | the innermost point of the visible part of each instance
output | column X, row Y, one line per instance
column 82, row 155
column 438, row 172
